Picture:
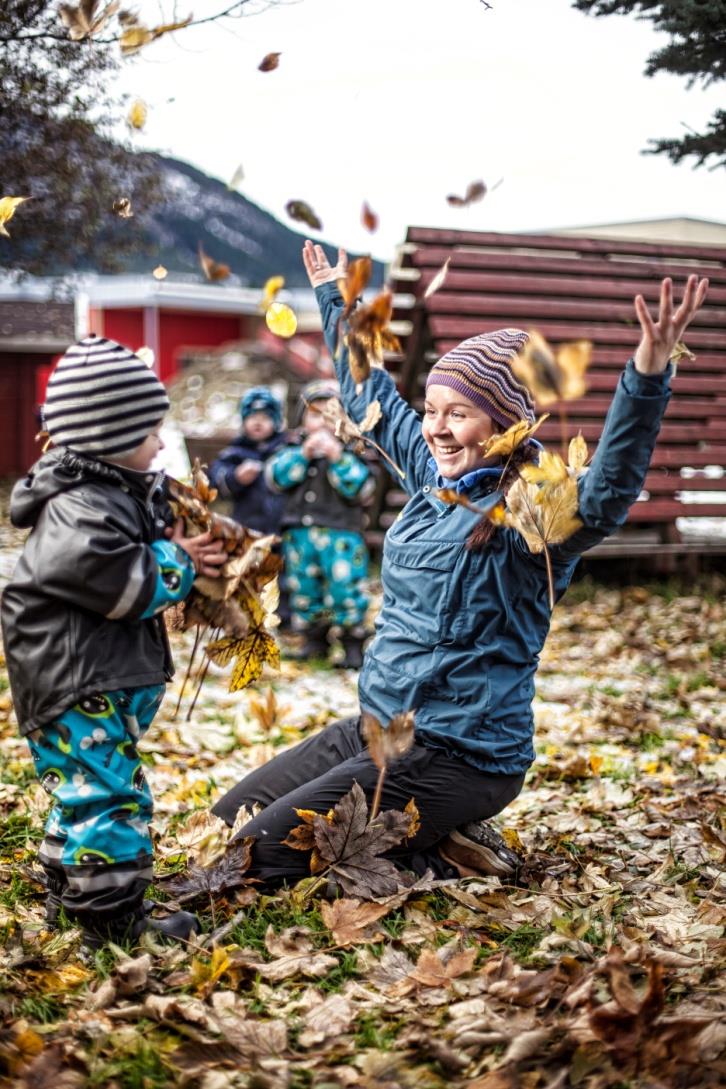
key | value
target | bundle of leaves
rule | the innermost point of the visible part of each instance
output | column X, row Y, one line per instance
column 238, row 608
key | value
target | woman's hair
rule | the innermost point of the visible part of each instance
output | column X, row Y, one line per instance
column 484, row 530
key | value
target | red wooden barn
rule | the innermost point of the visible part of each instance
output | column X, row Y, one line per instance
column 570, row 287
column 172, row 318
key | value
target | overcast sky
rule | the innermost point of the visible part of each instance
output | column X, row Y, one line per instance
column 400, row 102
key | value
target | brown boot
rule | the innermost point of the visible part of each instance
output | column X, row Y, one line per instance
column 477, row 848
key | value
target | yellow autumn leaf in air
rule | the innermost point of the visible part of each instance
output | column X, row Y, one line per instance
column 272, row 288
column 7, row 211
column 136, row 35
column 577, row 453
column 551, row 375
column 257, row 648
column 136, row 117
column 281, row 320
column 504, row 444
column 551, row 470
column 160, row 273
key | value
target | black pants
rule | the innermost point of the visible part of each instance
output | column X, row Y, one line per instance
column 317, row 773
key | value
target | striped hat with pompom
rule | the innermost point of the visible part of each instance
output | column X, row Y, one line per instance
column 480, row 369
column 102, row 399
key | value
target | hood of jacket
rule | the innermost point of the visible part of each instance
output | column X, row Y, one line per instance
column 62, row 469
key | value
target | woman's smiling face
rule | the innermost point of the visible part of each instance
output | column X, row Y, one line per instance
column 454, row 429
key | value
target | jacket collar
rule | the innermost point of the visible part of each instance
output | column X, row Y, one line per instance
column 477, row 480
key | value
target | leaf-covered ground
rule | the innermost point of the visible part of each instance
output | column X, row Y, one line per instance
column 604, row 969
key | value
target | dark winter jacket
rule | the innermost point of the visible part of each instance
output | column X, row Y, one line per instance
column 76, row 613
column 255, row 505
column 459, row 633
column 318, row 492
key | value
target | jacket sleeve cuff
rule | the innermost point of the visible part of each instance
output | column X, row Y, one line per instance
column 646, row 385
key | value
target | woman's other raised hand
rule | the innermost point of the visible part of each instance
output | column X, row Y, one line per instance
column 660, row 337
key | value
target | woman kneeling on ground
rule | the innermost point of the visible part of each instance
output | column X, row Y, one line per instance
column 465, row 609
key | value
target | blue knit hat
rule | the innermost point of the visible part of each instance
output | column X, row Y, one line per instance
column 261, row 399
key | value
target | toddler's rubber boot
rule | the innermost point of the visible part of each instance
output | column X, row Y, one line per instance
column 353, row 647
column 315, row 643
column 478, row 848
column 128, row 928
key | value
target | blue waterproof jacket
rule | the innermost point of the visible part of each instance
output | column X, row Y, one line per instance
column 255, row 505
column 459, row 633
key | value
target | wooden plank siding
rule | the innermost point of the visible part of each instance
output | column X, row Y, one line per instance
column 568, row 288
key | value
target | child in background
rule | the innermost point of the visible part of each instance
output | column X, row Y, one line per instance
column 325, row 554
column 85, row 641
column 237, row 472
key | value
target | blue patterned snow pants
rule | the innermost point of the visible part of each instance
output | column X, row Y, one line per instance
column 323, row 571
column 97, row 850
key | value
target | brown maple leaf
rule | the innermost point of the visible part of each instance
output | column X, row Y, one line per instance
column 212, row 882
column 349, row 845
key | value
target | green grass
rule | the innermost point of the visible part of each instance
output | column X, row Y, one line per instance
column 280, row 913
column 17, row 891
column 42, row 1009
column 523, row 941
column 136, row 1064
column 718, row 649
column 17, row 834
column 371, row 1031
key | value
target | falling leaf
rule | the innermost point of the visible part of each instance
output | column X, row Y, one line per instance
column 146, row 355
column 577, row 453
column 369, row 336
column 438, row 280
column 373, row 415
column 136, row 117
column 505, row 443
column 355, row 282
column 299, row 210
column 203, row 882
column 273, row 286
column 551, row 376
column 680, row 351
column 249, row 653
column 215, row 271
column 81, row 19
column 7, row 211
column 369, row 219
column 281, row 320
column 269, row 62
column 351, row 921
column 267, row 712
column 135, row 35
column 348, row 431
column 160, row 273
column 474, row 191
column 236, row 178
column 122, row 208
column 391, row 743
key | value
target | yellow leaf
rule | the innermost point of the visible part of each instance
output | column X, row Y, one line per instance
column 257, row 648
column 411, row 811
column 273, row 285
column 281, row 320
column 506, row 443
column 136, row 36
column 551, row 376
column 577, row 453
column 160, row 273
column 222, row 651
column 596, row 762
column 7, row 211
column 205, row 974
column 136, row 117
column 551, row 470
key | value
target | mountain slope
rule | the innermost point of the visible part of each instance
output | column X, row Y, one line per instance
column 199, row 209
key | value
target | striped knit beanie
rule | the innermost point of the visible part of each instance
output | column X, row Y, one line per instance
column 480, row 368
column 102, row 399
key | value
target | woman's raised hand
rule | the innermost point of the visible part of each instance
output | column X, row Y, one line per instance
column 660, row 337
column 319, row 269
